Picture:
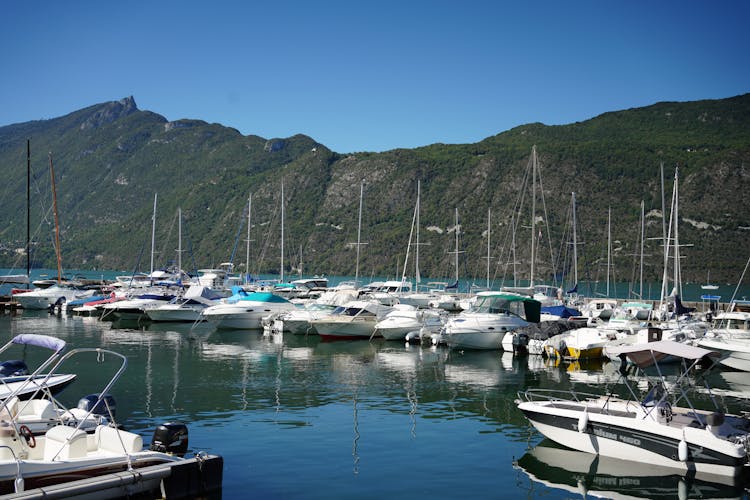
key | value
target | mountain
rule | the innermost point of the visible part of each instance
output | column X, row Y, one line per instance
column 110, row 159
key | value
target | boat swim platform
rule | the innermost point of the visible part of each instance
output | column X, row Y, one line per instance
column 197, row 477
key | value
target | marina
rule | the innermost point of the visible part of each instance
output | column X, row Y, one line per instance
column 363, row 417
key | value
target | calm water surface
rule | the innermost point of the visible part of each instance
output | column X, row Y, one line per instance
column 294, row 417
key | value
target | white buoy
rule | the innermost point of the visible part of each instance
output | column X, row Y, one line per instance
column 682, row 450
column 583, row 421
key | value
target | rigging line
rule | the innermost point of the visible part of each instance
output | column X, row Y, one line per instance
column 239, row 232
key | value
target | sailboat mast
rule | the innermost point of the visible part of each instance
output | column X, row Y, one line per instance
column 28, row 212
column 456, row 245
column 417, row 277
column 533, row 214
column 57, row 222
column 247, row 250
column 575, row 243
column 153, row 237
column 489, row 228
column 281, row 272
column 179, row 241
column 609, row 244
column 643, row 235
column 676, row 218
column 359, row 231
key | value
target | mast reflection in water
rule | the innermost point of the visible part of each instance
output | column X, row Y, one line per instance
column 295, row 417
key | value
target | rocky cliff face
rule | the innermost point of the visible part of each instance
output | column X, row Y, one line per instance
column 109, row 112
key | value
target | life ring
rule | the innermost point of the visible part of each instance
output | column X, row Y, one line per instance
column 26, row 433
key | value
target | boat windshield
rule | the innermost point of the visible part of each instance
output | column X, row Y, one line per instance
column 499, row 305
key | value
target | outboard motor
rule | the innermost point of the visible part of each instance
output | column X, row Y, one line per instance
column 170, row 437
column 13, row 368
column 105, row 407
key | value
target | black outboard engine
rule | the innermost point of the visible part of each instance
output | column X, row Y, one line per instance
column 13, row 368
column 170, row 437
column 105, row 408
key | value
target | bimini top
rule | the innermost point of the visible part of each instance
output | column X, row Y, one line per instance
column 45, row 341
column 647, row 354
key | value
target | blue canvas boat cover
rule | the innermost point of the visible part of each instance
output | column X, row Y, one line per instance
column 562, row 311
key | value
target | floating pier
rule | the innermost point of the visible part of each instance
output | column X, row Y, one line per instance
column 198, row 477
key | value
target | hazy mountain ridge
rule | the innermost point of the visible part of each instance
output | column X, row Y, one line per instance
column 111, row 158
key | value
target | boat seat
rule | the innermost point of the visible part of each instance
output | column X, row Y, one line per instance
column 9, row 409
column 112, row 440
column 37, row 408
column 68, row 441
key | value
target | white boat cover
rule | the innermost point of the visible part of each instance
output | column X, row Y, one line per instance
column 646, row 354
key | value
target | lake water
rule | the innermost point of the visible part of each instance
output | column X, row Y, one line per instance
column 297, row 418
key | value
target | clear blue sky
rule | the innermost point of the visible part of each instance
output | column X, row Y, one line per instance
column 370, row 75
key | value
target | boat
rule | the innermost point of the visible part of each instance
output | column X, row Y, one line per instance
column 245, row 311
column 187, row 307
column 15, row 379
column 734, row 351
column 355, row 319
column 67, row 452
column 708, row 285
column 492, row 317
column 576, row 344
column 44, row 298
column 405, row 318
column 653, row 430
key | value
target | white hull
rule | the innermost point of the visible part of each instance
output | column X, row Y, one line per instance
column 243, row 315
column 480, row 330
column 42, row 299
column 628, row 431
column 174, row 313
column 734, row 353
column 347, row 327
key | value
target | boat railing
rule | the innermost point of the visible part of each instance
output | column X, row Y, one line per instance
column 532, row 395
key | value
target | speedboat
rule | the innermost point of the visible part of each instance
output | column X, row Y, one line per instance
column 186, row 308
column 355, row 319
column 43, row 298
column 579, row 343
column 734, row 351
column 492, row 317
column 15, row 379
column 663, row 429
column 404, row 319
column 245, row 310
column 71, row 451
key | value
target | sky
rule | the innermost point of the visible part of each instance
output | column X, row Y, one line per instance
column 361, row 75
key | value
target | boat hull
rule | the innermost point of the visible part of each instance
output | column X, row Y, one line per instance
column 634, row 439
column 734, row 354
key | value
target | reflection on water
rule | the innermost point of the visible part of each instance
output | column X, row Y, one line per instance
column 341, row 416
column 586, row 474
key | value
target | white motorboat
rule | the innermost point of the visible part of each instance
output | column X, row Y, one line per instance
column 404, row 319
column 43, row 298
column 354, row 319
column 245, row 311
column 135, row 308
column 492, row 317
column 186, row 308
column 15, row 379
column 653, row 430
column 68, row 452
column 735, row 351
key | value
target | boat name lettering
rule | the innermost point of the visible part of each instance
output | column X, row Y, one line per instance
column 617, row 437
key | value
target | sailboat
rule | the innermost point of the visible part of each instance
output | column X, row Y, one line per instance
column 59, row 293
column 23, row 279
column 708, row 285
